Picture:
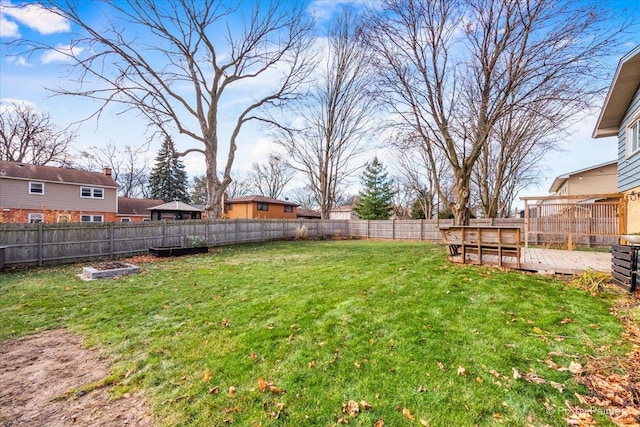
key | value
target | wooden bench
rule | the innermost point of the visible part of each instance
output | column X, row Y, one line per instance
column 500, row 241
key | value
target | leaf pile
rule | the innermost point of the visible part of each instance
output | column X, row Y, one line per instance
column 614, row 383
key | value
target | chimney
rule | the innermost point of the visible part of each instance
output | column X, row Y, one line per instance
column 106, row 171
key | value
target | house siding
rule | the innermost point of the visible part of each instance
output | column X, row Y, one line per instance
column 14, row 194
column 598, row 181
column 250, row 210
column 633, row 213
column 628, row 168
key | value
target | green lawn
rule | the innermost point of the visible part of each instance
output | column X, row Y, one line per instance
column 390, row 323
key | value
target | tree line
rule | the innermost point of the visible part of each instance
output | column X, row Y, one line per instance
column 465, row 95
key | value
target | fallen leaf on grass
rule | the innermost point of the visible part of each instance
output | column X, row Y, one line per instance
column 479, row 380
column 225, row 322
column 557, row 386
column 269, row 386
column 462, row 370
column 379, row 423
column 232, row 391
column 575, row 368
column 351, row 407
column 424, row 422
column 441, row 366
column 538, row 330
column 207, row 376
column 407, row 414
column 214, row 390
column 365, row 405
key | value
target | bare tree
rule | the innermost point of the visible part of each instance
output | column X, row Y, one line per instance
column 240, row 186
column 30, row 136
column 336, row 115
column 511, row 158
column 270, row 179
column 451, row 71
column 180, row 63
column 304, row 197
column 128, row 166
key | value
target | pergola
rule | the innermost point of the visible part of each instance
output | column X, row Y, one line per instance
column 175, row 210
column 572, row 217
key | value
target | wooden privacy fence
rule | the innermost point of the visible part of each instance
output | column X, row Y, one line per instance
column 572, row 223
column 39, row 244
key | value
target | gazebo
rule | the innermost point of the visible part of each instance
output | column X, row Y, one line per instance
column 175, row 210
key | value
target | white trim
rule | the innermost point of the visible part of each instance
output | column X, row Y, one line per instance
column 633, row 128
column 92, row 218
column 92, row 190
column 35, row 217
column 36, row 192
column 125, row 219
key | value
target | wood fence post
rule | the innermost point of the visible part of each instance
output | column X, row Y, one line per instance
column 368, row 228
column 236, row 231
column 393, row 229
column 421, row 229
column 164, row 232
column 111, row 230
column 40, row 236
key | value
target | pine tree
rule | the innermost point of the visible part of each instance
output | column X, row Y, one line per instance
column 168, row 179
column 375, row 201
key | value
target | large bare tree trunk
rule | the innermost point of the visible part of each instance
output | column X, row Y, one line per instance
column 452, row 71
column 183, row 72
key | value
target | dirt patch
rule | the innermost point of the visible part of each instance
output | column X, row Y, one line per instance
column 40, row 375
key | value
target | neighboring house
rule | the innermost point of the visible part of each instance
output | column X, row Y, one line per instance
column 599, row 179
column 135, row 210
column 343, row 212
column 250, row 207
column 620, row 116
column 30, row 193
column 308, row 214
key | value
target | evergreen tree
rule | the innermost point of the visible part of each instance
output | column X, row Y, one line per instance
column 375, row 201
column 168, row 179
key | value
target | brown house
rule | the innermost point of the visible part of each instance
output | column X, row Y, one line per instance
column 250, row 207
column 135, row 210
column 30, row 193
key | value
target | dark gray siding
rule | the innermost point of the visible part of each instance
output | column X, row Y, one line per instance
column 628, row 168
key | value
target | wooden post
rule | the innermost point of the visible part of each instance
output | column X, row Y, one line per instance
column 40, row 235
column 111, row 229
column 526, row 224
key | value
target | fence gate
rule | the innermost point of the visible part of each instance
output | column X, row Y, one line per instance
column 624, row 266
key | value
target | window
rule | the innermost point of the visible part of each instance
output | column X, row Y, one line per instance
column 91, row 193
column 36, row 188
column 63, row 218
column 633, row 138
column 263, row 206
column 125, row 219
column 288, row 208
column 229, row 206
column 91, row 218
column 35, row 217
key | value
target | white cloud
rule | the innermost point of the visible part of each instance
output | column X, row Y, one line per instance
column 61, row 53
column 19, row 60
column 8, row 28
column 6, row 104
column 35, row 17
column 324, row 9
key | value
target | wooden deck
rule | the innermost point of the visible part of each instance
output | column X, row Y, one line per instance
column 551, row 261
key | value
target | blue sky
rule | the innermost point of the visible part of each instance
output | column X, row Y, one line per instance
column 24, row 79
